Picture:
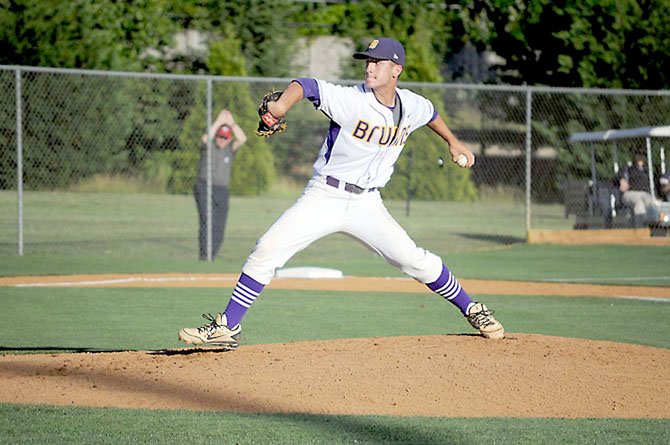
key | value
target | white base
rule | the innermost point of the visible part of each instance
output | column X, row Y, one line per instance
column 308, row 272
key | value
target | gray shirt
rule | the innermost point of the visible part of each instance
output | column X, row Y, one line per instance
column 222, row 163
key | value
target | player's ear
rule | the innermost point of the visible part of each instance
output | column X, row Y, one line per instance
column 397, row 69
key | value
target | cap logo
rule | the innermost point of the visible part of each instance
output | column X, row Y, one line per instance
column 395, row 56
column 373, row 44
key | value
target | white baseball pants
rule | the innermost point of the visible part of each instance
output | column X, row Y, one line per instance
column 323, row 210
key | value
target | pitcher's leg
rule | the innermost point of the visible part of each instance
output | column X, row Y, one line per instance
column 302, row 224
column 381, row 233
column 313, row 216
column 391, row 242
column 448, row 286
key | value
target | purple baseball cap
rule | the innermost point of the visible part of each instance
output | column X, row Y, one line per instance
column 384, row 49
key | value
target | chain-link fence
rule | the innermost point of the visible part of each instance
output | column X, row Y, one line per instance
column 105, row 162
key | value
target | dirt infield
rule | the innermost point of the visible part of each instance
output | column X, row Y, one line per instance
column 524, row 375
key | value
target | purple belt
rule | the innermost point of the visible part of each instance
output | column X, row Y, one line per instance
column 351, row 188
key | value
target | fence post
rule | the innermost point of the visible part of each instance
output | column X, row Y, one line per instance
column 529, row 136
column 19, row 160
column 209, row 170
column 650, row 169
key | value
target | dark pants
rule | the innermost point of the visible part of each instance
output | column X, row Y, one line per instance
column 220, row 198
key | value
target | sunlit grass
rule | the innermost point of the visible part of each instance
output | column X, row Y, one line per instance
column 117, row 183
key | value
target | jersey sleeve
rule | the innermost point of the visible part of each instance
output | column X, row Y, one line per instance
column 426, row 110
column 421, row 110
column 338, row 102
column 335, row 101
column 310, row 90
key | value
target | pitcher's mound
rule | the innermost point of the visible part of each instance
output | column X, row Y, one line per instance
column 450, row 375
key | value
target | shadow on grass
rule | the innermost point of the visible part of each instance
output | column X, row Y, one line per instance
column 77, row 350
column 367, row 429
column 189, row 351
column 56, row 349
column 505, row 240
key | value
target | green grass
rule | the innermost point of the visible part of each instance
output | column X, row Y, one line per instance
column 116, row 183
column 603, row 264
column 70, row 233
column 148, row 318
column 98, row 233
column 114, row 426
column 157, row 226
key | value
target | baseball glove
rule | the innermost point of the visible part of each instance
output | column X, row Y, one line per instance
column 269, row 124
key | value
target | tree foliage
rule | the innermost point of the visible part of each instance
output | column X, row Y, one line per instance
column 574, row 43
column 267, row 43
column 95, row 34
column 600, row 43
column 58, row 158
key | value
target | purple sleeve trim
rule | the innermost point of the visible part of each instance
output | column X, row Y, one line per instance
column 310, row 90
column 434, row 116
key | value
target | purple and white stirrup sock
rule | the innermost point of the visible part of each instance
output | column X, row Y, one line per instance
column 245, row 293
column 448, row 286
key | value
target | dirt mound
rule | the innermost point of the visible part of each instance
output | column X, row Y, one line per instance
column 449, row 375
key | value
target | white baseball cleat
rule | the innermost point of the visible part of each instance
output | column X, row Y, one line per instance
column 481, row 318
column 215, row 333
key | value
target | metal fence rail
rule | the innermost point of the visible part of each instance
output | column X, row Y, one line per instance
column 82, row 137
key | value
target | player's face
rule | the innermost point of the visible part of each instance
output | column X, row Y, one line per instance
column 380, row 72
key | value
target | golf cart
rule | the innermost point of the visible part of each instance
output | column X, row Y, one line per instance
column 596, row 203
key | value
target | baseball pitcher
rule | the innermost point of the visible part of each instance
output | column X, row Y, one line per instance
column 369, row 125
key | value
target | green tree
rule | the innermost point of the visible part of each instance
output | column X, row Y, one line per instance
column 267, row 42
column 571, row 43
column 7, row 131
column 94, row 140
column 96, row 34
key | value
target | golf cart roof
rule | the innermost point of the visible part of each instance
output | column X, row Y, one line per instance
column 629, row 133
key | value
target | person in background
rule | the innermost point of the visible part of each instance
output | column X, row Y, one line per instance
column 227, row 138
column 634, row 186
column 664, row 186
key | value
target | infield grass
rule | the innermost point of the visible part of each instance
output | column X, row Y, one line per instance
column 115, row 426
column 600, row 264
column 149, row 318
column 67, row 233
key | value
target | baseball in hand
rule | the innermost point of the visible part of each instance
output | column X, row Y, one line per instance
column 462, row 160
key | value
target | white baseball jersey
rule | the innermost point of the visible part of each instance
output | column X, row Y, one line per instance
column 363, row 143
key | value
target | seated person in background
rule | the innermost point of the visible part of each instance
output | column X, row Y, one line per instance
column 634, row 186
column 664, row 183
